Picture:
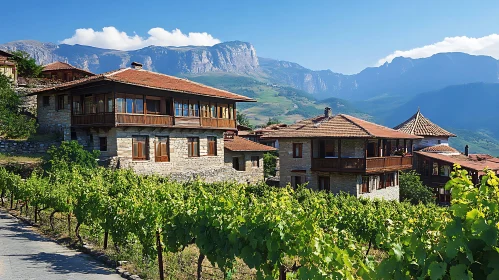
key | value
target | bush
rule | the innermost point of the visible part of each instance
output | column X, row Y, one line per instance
column 26, row 65
column 269, row 164
column 68, row 155
column 413, row 190
column 13, row 123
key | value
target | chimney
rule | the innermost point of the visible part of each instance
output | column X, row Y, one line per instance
column 466, row 150
column 328, row 112
column 136, row 65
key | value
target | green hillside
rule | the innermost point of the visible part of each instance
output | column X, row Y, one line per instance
column 275, row 101
column 479, row 142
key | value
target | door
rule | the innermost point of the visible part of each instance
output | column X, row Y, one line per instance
column 235, row 163
column 324, row 183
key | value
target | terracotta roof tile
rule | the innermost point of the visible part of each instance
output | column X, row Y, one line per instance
column 419, row 125
column 473, row 162
column 6, row 54
column 58, row 65
column 239, row 144
column 338, row 126
column 143, row 78
column 440, row 149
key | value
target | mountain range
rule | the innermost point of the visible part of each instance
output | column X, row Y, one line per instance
column 455, row 90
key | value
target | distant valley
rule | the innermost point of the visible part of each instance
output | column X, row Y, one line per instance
column 455, row 90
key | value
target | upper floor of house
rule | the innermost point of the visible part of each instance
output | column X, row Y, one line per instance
column 64, row 72
column 136, row 97
column 343, row 143
column 8, row 66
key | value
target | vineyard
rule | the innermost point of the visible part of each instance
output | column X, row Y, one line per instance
column 279, row 233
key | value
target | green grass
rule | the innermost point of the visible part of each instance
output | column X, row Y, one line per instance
column 30, row 158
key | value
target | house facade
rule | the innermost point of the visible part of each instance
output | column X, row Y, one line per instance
column 64, row 72
column 8, row 66
column 150, row 122
column 342, row 153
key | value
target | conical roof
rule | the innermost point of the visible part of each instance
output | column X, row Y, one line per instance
column 419, row 125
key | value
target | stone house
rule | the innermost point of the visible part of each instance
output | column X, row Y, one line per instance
column 64, row 72
column 7, row 66
column 342, row 153
column 150, row 122
column 258, row 135
column 245, row 156
column 434, row 158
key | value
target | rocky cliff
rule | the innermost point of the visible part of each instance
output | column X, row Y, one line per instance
column 234, row 57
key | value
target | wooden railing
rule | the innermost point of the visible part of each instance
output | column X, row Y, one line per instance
column 387, row 163
column 93, row 119
column 112, row 119
column 362, row 164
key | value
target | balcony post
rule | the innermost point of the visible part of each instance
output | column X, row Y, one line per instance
column 339, row 152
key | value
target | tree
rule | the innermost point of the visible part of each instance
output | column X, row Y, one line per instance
column 413, row 190
column 269, row 164
column 242, row 119
column 26, row 65
column 68, row 155
column 13, row 124
column 272, row 121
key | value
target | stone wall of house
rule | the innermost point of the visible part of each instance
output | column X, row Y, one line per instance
column 245, row 163
column 429, row 141
column 352, row 148
column 14, row 147
column 288, row 163
column 51, row 120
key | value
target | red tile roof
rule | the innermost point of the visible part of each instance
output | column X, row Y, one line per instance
column 58, row 65
column 419, row 125
column 440, row 149
column 239, row 144
column 6, row 54
column 472, row 162
column 143, row 78
column 338, row 126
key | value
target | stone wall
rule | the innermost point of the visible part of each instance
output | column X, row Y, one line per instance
column 389, row 193
column 14, row 147
column 288, row 163
column 51, row 120
column 255, row 173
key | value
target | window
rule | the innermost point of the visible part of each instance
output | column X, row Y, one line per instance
column 444, row 170
column 103, row 144
column 153, row 106
column 443, row 196
column 89, row 105
column 193, row 146
column 231, row 112
column 435, row 169
column 255, row 161
column 46, row 101
column 140, row 147
column 439, row 141
column 327, row 148
column 213, row 111
column 101, row 104
column 297, row 150
column 76, row 105
column 212, row 146
column 162, row 149
column 109, row 107
column 120, row 105
column 60, row 102
column 194, row 109
column 296, row 181
column 324, row 183
column 365, row 184
column 73, row 134
column 186, row 108
column 134, row 104
column 235, row 163
column 205, row 110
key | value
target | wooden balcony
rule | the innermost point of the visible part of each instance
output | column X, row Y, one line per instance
column 111, row 119
column 363, row 165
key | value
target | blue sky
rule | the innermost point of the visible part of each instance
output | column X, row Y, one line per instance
column 344, row 36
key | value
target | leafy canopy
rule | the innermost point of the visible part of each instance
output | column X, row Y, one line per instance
column 68, row 155
column 26, row 65
column 242, row 119
column 13, row 124
column 413, row 190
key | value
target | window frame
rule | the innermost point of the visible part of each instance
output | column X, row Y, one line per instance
column 191, row 147
column 46, row 100
column 103, row 143
column 60, row 102
column 140, row 143
column 158, row 149
column 326, row 179
column 364, row 185
column 297, row 150
column 212, row 145
column 255, row 161
column 295, row 182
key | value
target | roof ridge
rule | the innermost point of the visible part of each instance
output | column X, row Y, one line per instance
column 347, row 117
column 418, row 113
column 190, row 81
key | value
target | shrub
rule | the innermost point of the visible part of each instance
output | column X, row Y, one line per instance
column 269, row 164
column 413, row 190
column 68, row 155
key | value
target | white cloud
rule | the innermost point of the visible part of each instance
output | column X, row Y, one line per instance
column 112, row 38
column 487, row 45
